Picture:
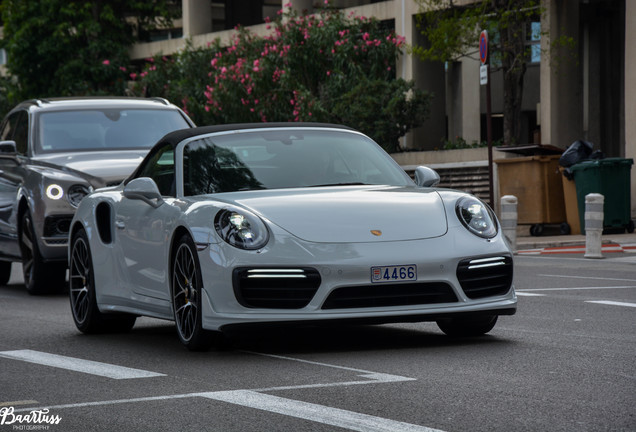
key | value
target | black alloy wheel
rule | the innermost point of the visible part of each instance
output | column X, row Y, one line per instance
column 39, row 277
column 86, row 314
column 186, row 296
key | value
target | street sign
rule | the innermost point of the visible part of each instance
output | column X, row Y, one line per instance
column 483, row 47
column 483, row 74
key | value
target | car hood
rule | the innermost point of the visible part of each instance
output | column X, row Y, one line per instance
column 353, row 214
column 100, row 168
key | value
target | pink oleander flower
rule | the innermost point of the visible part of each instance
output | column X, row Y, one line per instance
column 106, row 62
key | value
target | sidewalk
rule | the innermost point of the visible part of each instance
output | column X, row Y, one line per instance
column 575, row 243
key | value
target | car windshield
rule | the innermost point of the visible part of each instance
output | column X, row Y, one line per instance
column 104, row 129
column 276, row 158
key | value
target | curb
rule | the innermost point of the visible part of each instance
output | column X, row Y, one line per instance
column 607, row 247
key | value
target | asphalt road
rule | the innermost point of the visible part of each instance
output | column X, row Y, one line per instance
column 565, row 362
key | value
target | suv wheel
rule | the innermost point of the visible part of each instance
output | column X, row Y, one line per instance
column 5, row 272
column 39, row 277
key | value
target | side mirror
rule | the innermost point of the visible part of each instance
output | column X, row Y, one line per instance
column 426, row 177
column 145, row 189
column 8, row 148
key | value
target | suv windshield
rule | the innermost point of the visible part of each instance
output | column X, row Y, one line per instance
column 272, row 159
column 104, row 129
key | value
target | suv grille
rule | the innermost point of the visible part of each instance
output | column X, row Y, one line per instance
column 485, row 277
column 57, row 226
column 386, row 295
column 275, row 288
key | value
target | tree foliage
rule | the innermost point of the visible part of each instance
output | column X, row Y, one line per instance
column 62, row 47
column 325, row 67
column 453, row 32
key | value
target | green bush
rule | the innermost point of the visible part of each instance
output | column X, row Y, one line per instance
column 325, row 67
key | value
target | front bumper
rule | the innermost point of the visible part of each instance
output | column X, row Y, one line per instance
column 344, row 291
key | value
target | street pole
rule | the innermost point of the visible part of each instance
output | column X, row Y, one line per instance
column 489, row 137
column 484, row 72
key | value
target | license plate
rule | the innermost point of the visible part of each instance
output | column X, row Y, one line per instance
column 394, row 273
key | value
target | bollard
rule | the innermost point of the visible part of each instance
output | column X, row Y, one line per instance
column 593, row 225
column 509, row 219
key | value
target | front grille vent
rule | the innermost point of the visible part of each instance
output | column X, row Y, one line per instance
column 387, row 295
column 57, row 226
column 275, row 288
column 485, row 277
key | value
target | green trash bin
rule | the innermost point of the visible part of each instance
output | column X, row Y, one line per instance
column 611, row 178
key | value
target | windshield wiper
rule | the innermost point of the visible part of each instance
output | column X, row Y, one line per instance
column 341, row 184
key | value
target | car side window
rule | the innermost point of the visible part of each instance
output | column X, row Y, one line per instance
column 160, row 168
column 15, row 128
column 21, row 134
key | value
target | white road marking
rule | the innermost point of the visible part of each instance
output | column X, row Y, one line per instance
column 255, row 398
column 313, row 412
column 78, row 365
column 109, row 402
column 576, row 288
column 14, row 403
column 612, row 303
column 381, row 377
column 528, row 294
column 586, row 277
column 248, row 398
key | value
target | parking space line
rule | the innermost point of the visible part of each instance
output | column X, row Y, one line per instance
column 78, row 365
column 612, row 303
column 314, row 412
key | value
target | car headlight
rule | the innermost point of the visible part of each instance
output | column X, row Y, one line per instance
column 54, row 191
column 76, row 193
column 476, row 217
column 241, row 229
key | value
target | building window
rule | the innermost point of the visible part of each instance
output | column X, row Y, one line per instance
column 534, row 42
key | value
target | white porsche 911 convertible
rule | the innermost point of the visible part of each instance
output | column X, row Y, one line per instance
column 229, row 225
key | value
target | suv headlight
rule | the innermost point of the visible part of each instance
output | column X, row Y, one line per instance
column 76, row 193
column 477, row 217
column 241, row 229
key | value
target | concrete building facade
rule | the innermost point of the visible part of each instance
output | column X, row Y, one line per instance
column 586, row 94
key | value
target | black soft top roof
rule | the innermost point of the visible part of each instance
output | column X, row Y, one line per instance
column 177, row 136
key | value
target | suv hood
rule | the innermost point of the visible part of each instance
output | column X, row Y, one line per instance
column 100, row 168
column 351, row 214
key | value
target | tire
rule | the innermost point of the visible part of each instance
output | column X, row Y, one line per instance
column 88, row 319
column 536, row 230
column 565, row 229
column 467, row 327
column 5, row 272
column 39, row 277
column 186, row 290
